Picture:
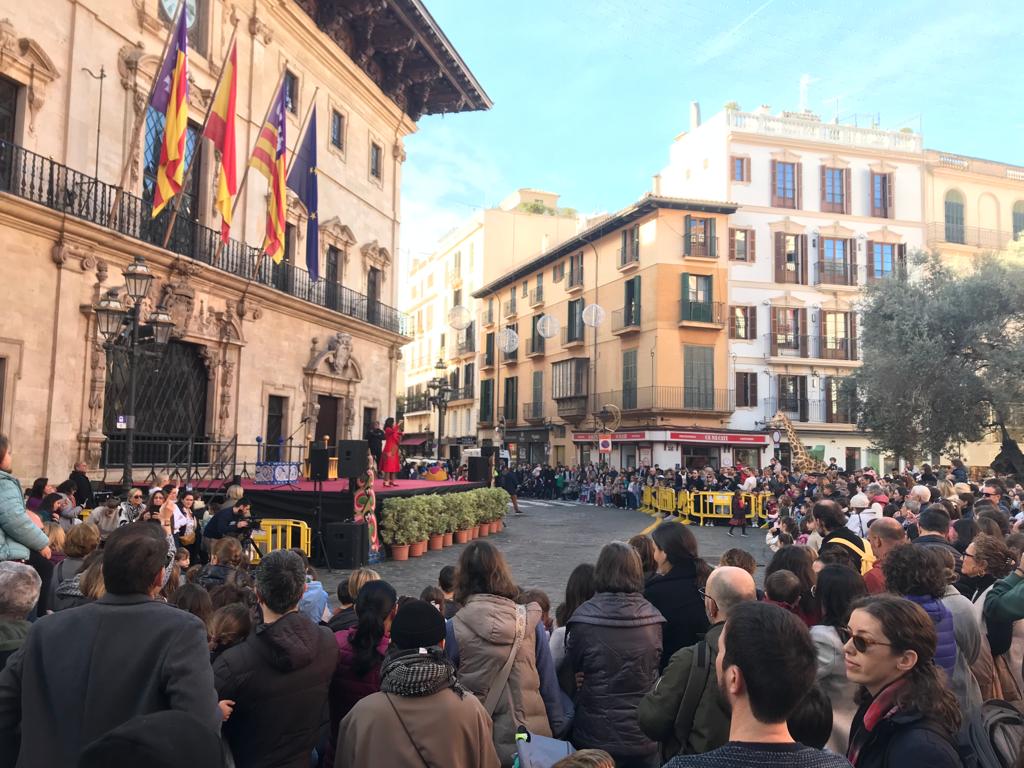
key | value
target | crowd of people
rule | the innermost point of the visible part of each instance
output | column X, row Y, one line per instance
column 890, row 620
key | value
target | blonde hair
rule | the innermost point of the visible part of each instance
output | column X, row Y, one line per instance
column 227, row 551
column 90, row 583
column 55, row 536
column 81, row 540
column 235, row 492
column 358, row 578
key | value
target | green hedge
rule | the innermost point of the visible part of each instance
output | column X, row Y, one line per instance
column 414, row 518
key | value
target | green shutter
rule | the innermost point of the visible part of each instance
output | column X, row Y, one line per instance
column 687, row 226
column 713, row 244
column 684, row 301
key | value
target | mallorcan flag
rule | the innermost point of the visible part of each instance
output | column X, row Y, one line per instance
column 220, row 129
column 268, row 158
column 170, row 97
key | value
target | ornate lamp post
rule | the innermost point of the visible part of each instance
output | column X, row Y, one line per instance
column 440, row 394
column 120, row 328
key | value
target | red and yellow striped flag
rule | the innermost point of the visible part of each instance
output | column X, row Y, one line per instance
column 268, row 158
column 220, row 129
column 171, row 98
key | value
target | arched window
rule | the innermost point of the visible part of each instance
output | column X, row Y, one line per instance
column 1018, row 218
column 954, row 217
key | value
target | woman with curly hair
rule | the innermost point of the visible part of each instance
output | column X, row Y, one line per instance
column 986, row 561
column 907, row 716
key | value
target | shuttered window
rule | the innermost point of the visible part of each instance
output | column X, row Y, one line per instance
column 698, row 377
column 835, row 189
column 629, row 379
column 882, row 191
column 786, row 184
column 742, row 245
column 746, row 389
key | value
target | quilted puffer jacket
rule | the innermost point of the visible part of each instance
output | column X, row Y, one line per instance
column 945, row 651
column 18, row 534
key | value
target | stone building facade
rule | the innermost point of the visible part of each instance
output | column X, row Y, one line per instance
column 259, row 351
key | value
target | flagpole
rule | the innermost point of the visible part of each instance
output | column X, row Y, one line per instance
column 288, row 168
column 188, row 170
column 245, row 173
column 140, row 119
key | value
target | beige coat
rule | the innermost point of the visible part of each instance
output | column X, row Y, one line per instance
column 451, row 732
column 485, row 628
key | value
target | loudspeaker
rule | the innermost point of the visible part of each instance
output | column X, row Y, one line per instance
column 479, row 468
column 318, row 460
column 352, row 458
column 487, row 451
column 348, row 544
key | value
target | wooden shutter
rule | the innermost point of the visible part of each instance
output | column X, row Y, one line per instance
column 780, row 257
column 847, row 200
column 801, row 242
column 732, row 169
column 773, row 337
column 746, row 169
column 732, row 322
column 752, row 322
column 752, row 388
column 741, row 390
column 830, row 416
column 750, row 246
column 825, row 204
column 870, row 257
column 732, row 243
column 775, row 180
column 684, row 297
column 901, row 265
column 890, row 199
column 852, row 343
column 872, row 180
column 801, row 389
column 798, row 184
column 636, row 242
column 712, row 239
column 802, row 330
column 687, row 227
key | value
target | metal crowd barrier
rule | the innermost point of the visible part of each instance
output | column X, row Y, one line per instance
column 281, row 534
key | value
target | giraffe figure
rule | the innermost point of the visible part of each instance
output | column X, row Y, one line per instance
column 803, row 462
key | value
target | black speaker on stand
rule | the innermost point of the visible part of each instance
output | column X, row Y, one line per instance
column 479, row 469
column 319, row 461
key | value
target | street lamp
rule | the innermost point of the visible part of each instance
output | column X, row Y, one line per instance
column 120, row 328
column 440, row 394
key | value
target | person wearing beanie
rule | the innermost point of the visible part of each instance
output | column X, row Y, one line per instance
column 422, row 715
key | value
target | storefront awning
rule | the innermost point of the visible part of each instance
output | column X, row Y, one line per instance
column 412, row 441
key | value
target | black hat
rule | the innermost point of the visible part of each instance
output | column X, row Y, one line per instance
column 418, row 624
column 155, row 740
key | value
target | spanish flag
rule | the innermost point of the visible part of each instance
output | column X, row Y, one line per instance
column 170, row 97
column 220, row 129
column 269, row 159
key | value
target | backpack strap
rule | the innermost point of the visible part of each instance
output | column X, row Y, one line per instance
column 406, row 729
column 498, row 683
column 696, row 683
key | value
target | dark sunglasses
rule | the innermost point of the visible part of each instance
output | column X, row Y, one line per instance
column 989, row 494
column 860, row 643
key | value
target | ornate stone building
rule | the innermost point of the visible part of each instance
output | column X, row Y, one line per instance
column 258, row 351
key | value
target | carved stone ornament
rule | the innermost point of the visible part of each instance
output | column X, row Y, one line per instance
column 376, row 256
column 23, row 60
column 78, row 254
column 260, row 30
column 335, row 359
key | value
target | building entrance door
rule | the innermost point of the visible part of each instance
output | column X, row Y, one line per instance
column 327, row 420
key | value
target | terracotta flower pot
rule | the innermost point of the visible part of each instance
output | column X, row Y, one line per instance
column 474, row 532
column 436, row 541
column 461, row 537
column 447, row 539
column 496, row 526
column 417, row 548
column 485, row 529
column 399, row 551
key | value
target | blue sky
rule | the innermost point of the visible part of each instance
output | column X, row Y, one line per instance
column 588, row 94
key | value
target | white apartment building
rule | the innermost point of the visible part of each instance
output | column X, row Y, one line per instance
column 824, row 208
column 485, row 246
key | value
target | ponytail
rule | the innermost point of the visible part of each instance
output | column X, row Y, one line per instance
column 374, row 604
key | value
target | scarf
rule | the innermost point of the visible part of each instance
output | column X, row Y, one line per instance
column 421, row 672
column 881, row 707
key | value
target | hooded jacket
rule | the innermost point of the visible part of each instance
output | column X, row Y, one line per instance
column 18, row 534
column 614, row 639
column 945, row 650
column 278, row 679
column 675, row 595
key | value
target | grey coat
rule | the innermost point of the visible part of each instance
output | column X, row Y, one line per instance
column 127, row 655
column 831, row 673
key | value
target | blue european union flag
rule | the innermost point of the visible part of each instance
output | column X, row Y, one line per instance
column 302, row 181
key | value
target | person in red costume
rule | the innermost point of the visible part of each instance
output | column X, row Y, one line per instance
column 389, row 459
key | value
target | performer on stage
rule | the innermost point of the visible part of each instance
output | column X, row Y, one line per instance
column 374, row 438
column 389, row 460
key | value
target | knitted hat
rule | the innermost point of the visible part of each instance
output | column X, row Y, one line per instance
column 156, row 740
column 418, row 624
column 860, row 501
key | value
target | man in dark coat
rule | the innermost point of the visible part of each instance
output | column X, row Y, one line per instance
column 274, row 684
column 374, row 438
column 510, row 482
column 83, row 672
column 83, row 488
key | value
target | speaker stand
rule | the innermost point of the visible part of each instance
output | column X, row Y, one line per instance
column 318, row 535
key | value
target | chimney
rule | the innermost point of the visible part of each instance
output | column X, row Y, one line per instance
column 545, row 242
column 694, row 115
column 656, row 184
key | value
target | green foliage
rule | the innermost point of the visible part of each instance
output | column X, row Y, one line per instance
column 406, row 520
column 942, row 355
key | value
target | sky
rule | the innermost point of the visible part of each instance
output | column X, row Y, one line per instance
column 588, row 94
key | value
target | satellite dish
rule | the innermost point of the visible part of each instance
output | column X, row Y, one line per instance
column 459, row 317
column 508, row 340
column 593, row 315
column 548, row 326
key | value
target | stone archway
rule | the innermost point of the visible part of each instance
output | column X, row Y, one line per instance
column 332, row 372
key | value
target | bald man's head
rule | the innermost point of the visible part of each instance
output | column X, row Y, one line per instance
column 884, row 535
column 728, row 586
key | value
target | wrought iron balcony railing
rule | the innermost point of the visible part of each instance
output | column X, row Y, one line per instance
column 39, row 179
column 676, row 399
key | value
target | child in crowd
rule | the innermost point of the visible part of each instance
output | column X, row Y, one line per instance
column 541, row 598
column 55, row 536
column 783, row 589
column 315, row 602
column 446, row 582
column 229, row 625
column 435, row 597
column 811, row 722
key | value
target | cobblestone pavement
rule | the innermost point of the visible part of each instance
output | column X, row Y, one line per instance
column 548, row 540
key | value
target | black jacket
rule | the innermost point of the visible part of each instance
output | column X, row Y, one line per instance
column 83, row 489
column 614, row 639
column 83, row 672
column 224, row 523
column 343, row 619
column 510, row 482
column 278, row 679
column 374, row 441
column 904, row 740
column 675, row 595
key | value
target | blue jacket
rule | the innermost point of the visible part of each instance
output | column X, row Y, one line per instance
column 945, row 650
column 18, row 534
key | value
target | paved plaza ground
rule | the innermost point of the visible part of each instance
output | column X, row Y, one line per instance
column 548, row 540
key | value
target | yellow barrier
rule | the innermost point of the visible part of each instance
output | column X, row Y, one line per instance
column 282, row 534
column 667, row 501
column 647, row 503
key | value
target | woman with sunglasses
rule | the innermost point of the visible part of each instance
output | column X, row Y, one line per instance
column 907, row 716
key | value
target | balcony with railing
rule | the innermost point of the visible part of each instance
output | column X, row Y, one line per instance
column 670, row 399
column 533, row 412
column 701, row 247
column 573, row 409
column 574, row 281
column 836, row 348
column 466, row 343
column 508, row 308
column 537, row 296
column 810, row 128
column 626, row 320
column 462, row 393
column 508, row 413
column 510, row 358
column 40, row 180
column 629, row 257
column 535, row 347
column 572, row 337
column 701, row 313
column 835, row 273
column 790, row 273
column 977, row 237
column 813, row 411
column 786, row 344
column 417, row 403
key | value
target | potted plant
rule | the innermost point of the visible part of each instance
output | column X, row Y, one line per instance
column 394, row 530
column 462, row 515
column 417, row 522
column 435, row 521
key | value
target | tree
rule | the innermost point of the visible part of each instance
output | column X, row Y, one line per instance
column 943, row 358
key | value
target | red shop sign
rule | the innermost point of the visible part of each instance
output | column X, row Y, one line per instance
column 718, row 437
